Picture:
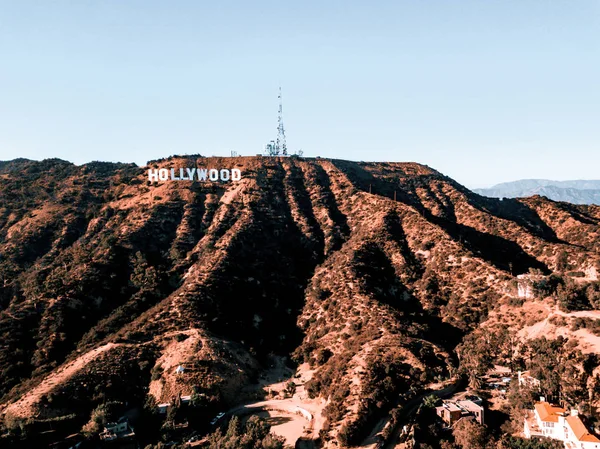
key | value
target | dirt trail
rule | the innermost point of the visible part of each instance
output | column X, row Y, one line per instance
column 593, row 314
column 303, row 416
column 24, row 407
column 588, row 342
column 302, row 412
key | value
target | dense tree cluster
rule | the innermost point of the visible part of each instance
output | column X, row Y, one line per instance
column 570, row 295
column 254, row 434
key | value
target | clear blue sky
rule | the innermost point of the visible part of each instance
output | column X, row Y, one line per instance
column 484, row 91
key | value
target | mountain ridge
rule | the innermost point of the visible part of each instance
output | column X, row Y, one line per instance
column 346, row 267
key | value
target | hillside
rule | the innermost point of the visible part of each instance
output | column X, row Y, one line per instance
column 370, row 274
column 576, row 192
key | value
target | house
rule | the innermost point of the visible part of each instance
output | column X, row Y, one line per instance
column 449, row 412
column 544, row 421
column 502, row 370
column 547, row 420
column 180, row 369
column 526, row 380
column 119, row 430
column 163, row 408
column 452, row 411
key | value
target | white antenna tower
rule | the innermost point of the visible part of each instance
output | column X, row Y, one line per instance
column 278, row 146
column 281, row 145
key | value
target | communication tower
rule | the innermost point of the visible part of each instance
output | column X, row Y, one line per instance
column 278, row 147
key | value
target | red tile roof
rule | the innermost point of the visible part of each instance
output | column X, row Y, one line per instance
column 549, row 413
column 580, row 430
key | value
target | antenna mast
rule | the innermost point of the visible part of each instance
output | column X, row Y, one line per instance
column 281, row 145
column 278, row 146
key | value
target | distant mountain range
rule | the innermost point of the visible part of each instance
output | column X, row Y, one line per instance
column 576, row 192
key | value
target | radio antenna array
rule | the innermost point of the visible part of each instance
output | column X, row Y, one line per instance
column 278, row 147
column 281, row 145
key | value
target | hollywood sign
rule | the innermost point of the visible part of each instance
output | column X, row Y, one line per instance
column 194, row 174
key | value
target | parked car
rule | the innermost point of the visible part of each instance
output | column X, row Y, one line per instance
column 218, row 417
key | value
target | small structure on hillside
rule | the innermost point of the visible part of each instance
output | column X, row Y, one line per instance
column 525, row 286
column 502, row 370
column 180, row 369
column 117, row 431
column 527, row 380
column 452, row 411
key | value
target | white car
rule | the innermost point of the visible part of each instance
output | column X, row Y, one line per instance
column 218, row 417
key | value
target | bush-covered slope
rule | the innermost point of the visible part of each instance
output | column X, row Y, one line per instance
column 370, row 272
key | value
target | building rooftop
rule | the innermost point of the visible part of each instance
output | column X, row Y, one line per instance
column 470, row 406
column 580, row 430
column 451, row 406
column 549, row 413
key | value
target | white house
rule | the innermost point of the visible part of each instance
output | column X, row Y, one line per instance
column 547, row 420
column 120, row 429
column 527, row 380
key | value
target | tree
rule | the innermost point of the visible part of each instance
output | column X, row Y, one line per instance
column 290, row 388
column 445, row 444
column 171, row 416
column 431, row 401
column 511, row 442
column 562, row 261
column 546, row 361
column 255, row 434
column 101, row 415
column 469, row 435
column 476, row 357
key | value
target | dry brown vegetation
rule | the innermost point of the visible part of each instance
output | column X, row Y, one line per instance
column 372, row 273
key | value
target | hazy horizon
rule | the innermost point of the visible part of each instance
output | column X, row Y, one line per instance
column 483, row 92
